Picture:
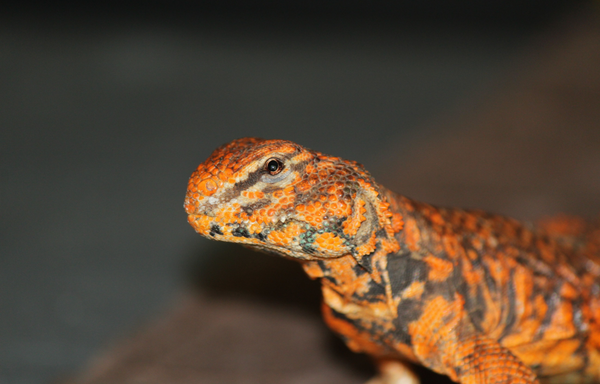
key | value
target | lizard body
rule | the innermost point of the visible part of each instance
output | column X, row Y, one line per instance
column 478, row 297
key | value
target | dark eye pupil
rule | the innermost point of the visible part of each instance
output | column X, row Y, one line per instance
column 273, row 166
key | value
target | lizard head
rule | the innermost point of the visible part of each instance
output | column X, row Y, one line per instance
column 281, row 197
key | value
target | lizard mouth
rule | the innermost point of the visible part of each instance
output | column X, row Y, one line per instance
column 202, row 223
column 288, row 241
column 209, row 226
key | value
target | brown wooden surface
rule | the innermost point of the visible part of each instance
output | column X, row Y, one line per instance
column 530, row 149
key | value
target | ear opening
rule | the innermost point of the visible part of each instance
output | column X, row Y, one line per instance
column 379, row 224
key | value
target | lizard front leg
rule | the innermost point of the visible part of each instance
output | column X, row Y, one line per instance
column 444, row 340
column 479, row 360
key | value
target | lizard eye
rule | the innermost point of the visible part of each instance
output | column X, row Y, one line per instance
column 273, row 166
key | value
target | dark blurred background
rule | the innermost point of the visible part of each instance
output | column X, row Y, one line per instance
column 106, row 109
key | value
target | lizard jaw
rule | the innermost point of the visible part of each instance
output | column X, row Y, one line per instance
column 287, row 237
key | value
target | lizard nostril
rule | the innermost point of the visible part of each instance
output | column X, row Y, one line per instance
column 208, row 186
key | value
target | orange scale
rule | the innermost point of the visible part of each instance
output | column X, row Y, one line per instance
column 274, row 238
column 223, row 176
column 331, row 190
column 329, row 241
column 314, row 224
column 322, row 197
column 231, row 181
column 303, row 186
column 283, row 200
column 310, row 208
column 208, row 187
column 277, row 194
column 255, row 228
column 332, row 198
column 271, row 212
column 289, row 190
column 303, row 157
column 300, row 207
column 259, row 194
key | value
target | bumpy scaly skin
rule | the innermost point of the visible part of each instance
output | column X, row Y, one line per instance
column 478, row 297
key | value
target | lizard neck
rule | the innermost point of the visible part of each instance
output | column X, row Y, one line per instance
column 384, row 224
column 353, row 275
column 358, row 290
